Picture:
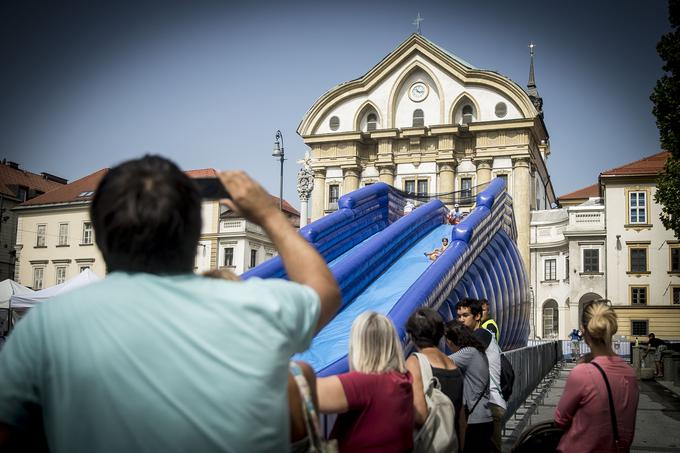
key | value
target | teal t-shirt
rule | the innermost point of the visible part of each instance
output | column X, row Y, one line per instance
column 143, row 363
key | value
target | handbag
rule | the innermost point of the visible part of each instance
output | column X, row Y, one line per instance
column 317, row 444
column 438, row 433
column 541, row 437
column 612, row 410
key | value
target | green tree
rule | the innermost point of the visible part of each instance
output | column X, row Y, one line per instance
column 666, row 99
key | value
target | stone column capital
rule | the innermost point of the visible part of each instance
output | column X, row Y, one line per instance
column 351, row 171
column 484, row 163
column 319, row 173
column 385, row 169
column 447, row 166
column 523, row 161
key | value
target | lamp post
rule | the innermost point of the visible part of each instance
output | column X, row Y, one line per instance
column 279, row 152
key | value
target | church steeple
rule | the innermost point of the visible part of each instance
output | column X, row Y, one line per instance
column 532, row 91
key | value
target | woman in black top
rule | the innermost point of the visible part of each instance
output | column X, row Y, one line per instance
column 426, row 328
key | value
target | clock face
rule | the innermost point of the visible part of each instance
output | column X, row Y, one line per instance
column 418, row 92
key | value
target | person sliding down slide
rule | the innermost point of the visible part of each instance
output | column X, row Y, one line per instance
column 434, row 254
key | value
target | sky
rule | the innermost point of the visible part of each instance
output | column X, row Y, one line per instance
column 88, row 84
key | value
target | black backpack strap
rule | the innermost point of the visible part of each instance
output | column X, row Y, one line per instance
column 612, row 411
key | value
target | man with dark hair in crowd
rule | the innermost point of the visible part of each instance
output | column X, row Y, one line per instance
column 469, row 312
column 154, row 357
column 488, row 322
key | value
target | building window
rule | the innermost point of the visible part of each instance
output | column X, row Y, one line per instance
column 591, row 261
column 638, row 259
column 675, row 295
column 38, row 273
column 40, row 235
column 638, row 295
column 550, row 269
column 333, row 193
column 228, row 256
column 504, row 177
column 566, row 268
column 22, row 193
column 467, row 114
column 87, row 233
column 418, row 118
column 551, row 320
column 410, row 186
column 253, row 257
column 501, row 110
column 637, row 207
column 61, row 275
column 63, row 234
column 334, row 123
column 675, row 258
column 639, row 328
column 466, row 190
column 371, row 122
column 423, row 186
column 83, row 268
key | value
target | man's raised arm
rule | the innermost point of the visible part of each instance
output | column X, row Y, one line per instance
column 302, row 262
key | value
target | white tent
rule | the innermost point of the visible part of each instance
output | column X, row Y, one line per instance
column 8, row 288
column 30, row 299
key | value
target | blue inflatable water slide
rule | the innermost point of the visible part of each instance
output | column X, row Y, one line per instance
column 377, row 257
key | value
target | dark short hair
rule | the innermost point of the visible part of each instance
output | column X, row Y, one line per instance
column 483, row 302
column 462, row 336
column 474, row 305
column 147, row 217
column 426, row 327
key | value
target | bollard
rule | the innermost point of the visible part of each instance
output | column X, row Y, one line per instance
column 672, row 371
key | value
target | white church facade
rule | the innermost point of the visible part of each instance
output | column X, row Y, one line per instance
column 427, row 122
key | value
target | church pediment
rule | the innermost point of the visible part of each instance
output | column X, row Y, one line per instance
column 418, row 82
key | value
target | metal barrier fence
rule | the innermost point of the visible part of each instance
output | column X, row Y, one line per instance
column 531, row 364
column 622, row 348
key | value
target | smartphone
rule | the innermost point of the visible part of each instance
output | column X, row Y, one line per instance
column 211, row 188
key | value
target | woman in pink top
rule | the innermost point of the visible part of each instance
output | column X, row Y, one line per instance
column 375, row 399
column 583, row 410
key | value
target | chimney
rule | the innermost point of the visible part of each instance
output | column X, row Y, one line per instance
column 54, row 178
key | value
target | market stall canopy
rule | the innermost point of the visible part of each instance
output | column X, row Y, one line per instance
column 30, row 299
column 8, row 288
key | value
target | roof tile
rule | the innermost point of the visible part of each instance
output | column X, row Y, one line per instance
column 586, row 192
column 647, row 166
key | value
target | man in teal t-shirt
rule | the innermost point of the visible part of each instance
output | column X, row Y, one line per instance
column 154, row 358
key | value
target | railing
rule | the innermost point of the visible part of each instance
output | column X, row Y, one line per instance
column 531, row 364
column 622, row 348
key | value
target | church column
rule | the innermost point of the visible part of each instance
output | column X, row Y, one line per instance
column 318, row 193
column 387, row 174
column 350, row 179
column 446, row 176
column 521, row 187
column 484, row 171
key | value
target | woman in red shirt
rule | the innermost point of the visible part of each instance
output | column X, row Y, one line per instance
column 583, row 410
column 375, row 399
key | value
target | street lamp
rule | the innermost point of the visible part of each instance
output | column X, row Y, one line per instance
column 279, row 152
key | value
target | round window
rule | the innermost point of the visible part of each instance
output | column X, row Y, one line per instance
column 501, row 109
column 334, row 123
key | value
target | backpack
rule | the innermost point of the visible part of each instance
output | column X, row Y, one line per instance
column 507, row 378
column 438, row 433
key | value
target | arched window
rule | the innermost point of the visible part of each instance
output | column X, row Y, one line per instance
column 468, row 114
column 551, row 321
column 418, row 118
column 371, row 122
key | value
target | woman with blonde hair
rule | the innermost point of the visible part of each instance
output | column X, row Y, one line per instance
column 374, row 399
column 599, row 403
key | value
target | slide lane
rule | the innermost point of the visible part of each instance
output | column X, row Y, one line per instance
column 330, row 345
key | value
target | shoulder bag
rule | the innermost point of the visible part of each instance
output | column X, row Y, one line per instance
column 438, row 433
column 317, row 444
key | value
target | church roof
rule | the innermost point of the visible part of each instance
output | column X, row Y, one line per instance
column 647, row 166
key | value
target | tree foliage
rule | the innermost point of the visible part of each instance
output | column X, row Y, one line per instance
column 666, row 99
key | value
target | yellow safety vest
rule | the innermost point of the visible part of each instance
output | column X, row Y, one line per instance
column 489, row 321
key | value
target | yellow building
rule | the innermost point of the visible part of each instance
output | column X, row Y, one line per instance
column 643, row 257
column 55, row 238
column 430, row 123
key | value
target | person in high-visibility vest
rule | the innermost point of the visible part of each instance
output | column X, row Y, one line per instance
column 488, row 322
